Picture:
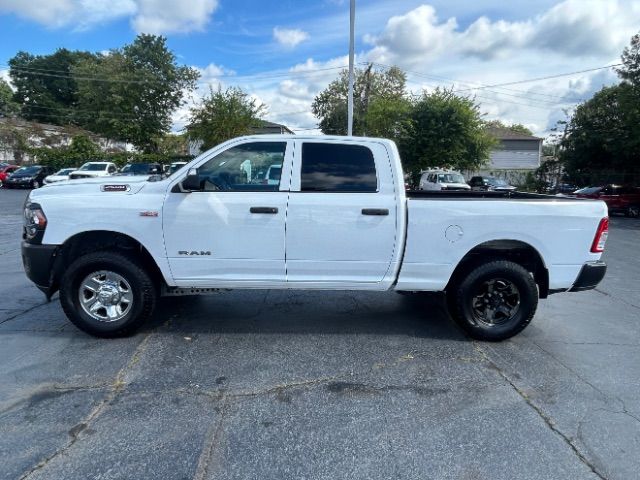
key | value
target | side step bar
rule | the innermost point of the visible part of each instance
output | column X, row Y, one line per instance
column 183, row 292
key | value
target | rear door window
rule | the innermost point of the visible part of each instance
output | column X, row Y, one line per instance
column 328, row 167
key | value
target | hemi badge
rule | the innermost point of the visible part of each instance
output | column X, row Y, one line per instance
column 148, row 213
column 115, row 188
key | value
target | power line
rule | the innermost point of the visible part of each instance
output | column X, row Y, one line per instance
column 538, row 79
column 68, row 75
column 470, row 83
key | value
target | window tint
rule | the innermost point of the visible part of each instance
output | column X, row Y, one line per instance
column 254, row 167
column 330, row 167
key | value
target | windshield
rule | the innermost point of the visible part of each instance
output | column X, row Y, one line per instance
column 175, row 167
column 588, row 190
column 93, row 167
column 65, row 172
column 136, row 168
column 497, row 182
column 28, row 170
column 450, row 178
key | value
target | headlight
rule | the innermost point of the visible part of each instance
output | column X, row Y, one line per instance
column 35, row 221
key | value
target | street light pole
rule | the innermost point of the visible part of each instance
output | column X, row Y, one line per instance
column 351, row 79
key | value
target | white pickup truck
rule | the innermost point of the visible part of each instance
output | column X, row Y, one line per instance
column 338, row 219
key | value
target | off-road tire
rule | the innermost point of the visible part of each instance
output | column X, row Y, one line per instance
column 460, row 299
column 142, row 287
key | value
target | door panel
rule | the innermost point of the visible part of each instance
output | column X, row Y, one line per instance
column 224, row 241
column 329, row 237
column 234, row 233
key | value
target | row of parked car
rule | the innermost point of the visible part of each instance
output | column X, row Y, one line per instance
column 34, row 176
column 452, row 180
column 619, row 198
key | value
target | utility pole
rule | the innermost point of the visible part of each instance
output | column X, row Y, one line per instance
column 351, row 79
column 365, row 100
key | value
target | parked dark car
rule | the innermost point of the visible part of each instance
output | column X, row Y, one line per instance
column 141, row 169
column 28, row 177
column 5, row 171
column 491, row 184
column 563, row 188
column 619, row 198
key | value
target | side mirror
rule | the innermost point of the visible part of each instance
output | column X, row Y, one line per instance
column 192, row 181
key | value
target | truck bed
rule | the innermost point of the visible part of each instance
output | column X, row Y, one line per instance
column 440, row 233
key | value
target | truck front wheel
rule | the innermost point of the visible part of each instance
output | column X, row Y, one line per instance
column 107, row 294
column 495, row 301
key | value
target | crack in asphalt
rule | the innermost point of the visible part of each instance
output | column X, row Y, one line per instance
column 622, row 300
column 115, row 389
column 49, row 390
column 27, row 310
column 210, row 447
column 604, row 395
column 538, row 410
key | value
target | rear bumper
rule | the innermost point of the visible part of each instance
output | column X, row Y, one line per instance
column 589, row 277
column 38, row 265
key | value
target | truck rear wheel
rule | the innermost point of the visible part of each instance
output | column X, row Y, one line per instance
column 495, row 301
column 107, row 294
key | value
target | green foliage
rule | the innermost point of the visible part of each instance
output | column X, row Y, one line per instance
column 8, row 107
column 130, row 93
column 630, row 71
column 514, row 127
column 439, row 129
column 380, row 104
column 223, row 115
column 82, row 149
column 602, row 140
column 45, row 86
column 172, row 145
column 446, row 131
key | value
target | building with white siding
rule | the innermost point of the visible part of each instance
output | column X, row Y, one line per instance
column 515, row 156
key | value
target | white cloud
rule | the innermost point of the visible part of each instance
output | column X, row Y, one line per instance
column 575, row 28
column 147, row 16
column 289, row 37
column 169, row 16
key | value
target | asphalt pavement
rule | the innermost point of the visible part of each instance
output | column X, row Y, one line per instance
column 321, row 385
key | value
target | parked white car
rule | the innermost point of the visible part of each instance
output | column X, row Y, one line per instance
column 442, row 180
column 59, row 176
column 339, row 219
column 93, row 170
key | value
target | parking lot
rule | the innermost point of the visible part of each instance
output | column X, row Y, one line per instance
column 321, row 385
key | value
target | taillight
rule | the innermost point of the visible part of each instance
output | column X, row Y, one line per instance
column 601, row 236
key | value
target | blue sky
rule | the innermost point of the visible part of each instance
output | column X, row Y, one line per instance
column 283, row 53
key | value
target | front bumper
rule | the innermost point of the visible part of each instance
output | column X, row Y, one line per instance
column 589, row 277
column 38, row 265
column 17, row 183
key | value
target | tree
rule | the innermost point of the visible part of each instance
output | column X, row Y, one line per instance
column 376, row 94
column 8, row 107
column 630, row 71
column 223, row 115
column 514, row 127
column 601, row 142
column 130, row 93
column 446, row 131
column 45, row 86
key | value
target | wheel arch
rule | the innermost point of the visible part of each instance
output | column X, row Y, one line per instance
column 96, row 240
column 517, row 251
